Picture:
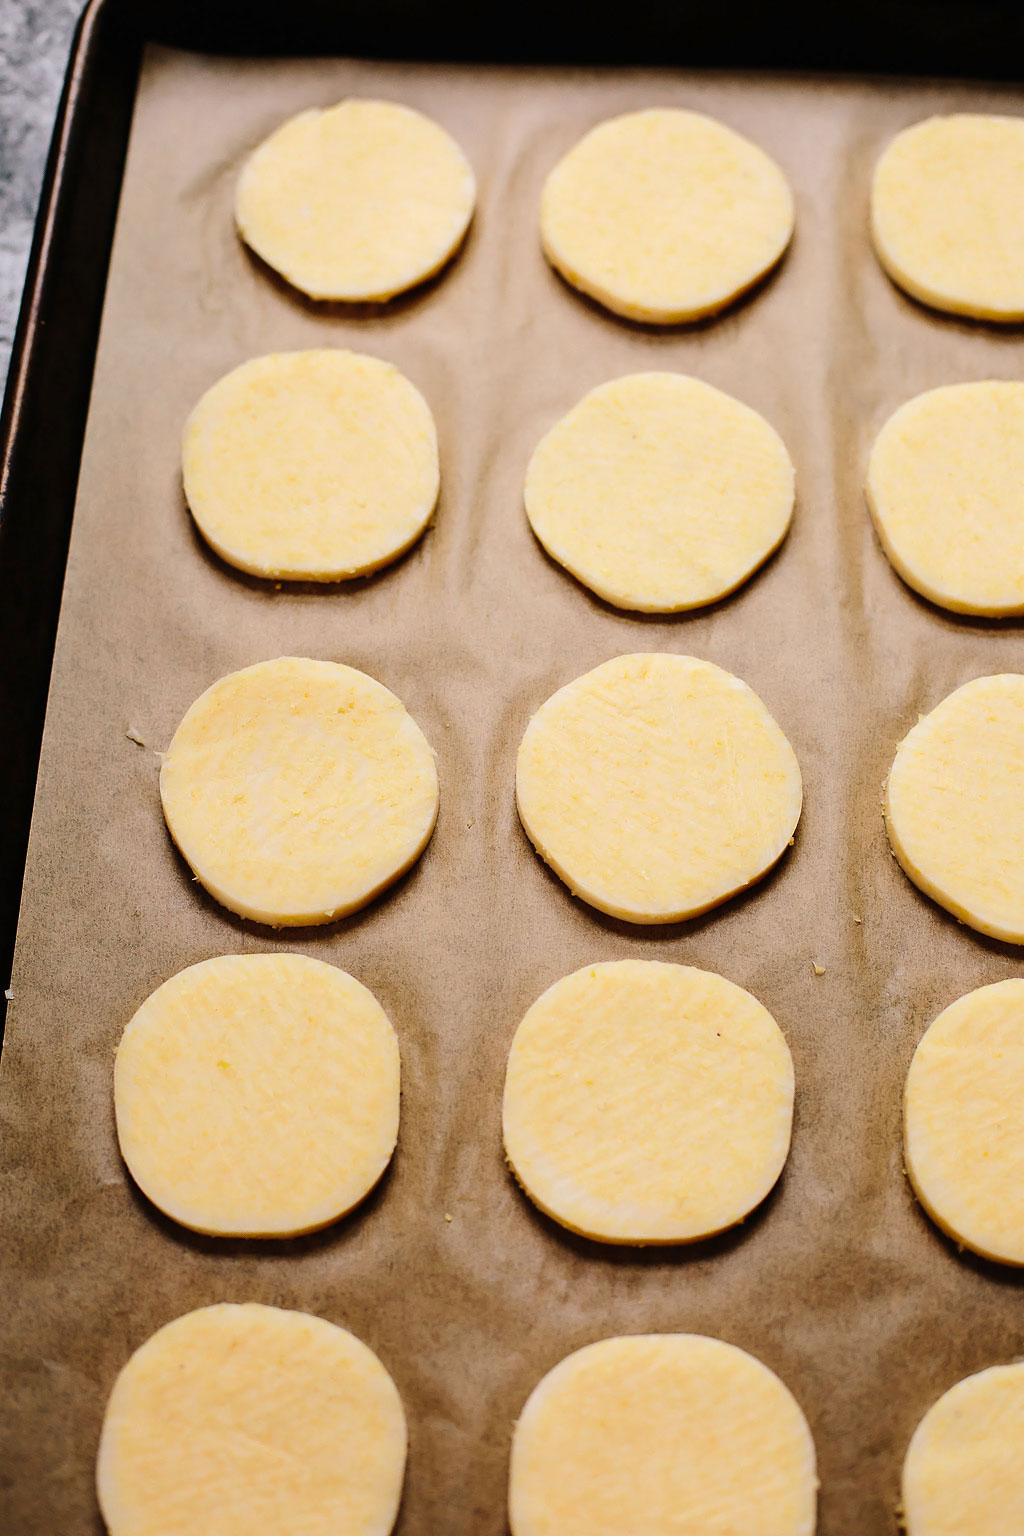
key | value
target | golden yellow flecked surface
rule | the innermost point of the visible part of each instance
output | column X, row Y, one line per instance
column 657, row 786
column 237, row 1420
column 297, row 790
column 647, row 1103
column 257, row 1095
column 665, row 215
column 963, row 1121
column 664, row 1435
column 964, row 1471
column 946, row 492
column 947, row 214
column 358, row 202
column 954, row 805
column 311, row 465
column 659, row 492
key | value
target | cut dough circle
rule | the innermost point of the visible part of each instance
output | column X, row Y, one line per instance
column 954, row 805
column 659, row 492
column 298, row 790
column 665, row 215
column 657, row 786
column 947, row 214
column 668, row 1434
column 647, row 1102
column 311, row 465
column 359, row 202
column 963, row 1121
column 257, row 1095
column 945, row 492
column 964, row 1470
column 237, row 1419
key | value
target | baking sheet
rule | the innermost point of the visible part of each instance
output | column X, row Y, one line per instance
column 839, row 1282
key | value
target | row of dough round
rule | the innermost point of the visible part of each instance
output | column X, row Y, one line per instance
column 655, row 786
column 651, row 1432
column 660, row 215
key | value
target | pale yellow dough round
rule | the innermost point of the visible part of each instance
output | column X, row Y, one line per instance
column 659, row 492
column 947, row 214
column 298, row 790
column 954, row 805
column 665, row 1434
column 657, row 786
column 664, row 215
column 963, row 1121
column 257, row 1095
column 236, row 1420
column 311, row 466
column 964, row 1470
column 647, row 1102
column 946, row 492
column 359, row 202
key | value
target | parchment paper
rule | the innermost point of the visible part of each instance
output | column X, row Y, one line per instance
column 839, row 1282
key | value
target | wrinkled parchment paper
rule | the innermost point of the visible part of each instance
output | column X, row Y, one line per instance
column 839, row 1282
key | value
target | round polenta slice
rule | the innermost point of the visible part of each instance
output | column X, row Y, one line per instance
column 660, row 493
column 298, row 790
column 238, row 1419
column 668, row 1434
column 947, row 214
column 311, row 466
column 359, row 202
column 964, row 1469
column 257, row 1095
column 647, row 1102
column 657, row 786
column 954, row 805
column 665, row 215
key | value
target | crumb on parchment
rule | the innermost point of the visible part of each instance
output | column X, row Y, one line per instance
column 819, row 970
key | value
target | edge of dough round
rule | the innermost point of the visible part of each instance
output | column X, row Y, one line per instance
column 603, row 1455
column 142, row 1464
column 995, row 928
column 946, row 1436
column 303, row 914
column 207, row 516
column 561, row 1193
column 668, row 312
column 321, row 289
column 331, row 1179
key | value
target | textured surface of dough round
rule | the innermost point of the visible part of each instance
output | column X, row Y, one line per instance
column 665, row 215
column 664, row 1434
column 657, row 786
column 358, row 202
column 647, row 1103
column 311, row 465
column 257, row 1095
column 963, row 1121
column 298, row 790
column 235, row 1420
column 954, row 805
column 659, row 492
column 964, row 1470
column 946, row 492
column 947, row 214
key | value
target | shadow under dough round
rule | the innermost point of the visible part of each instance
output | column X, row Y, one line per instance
column 657, row 786
column 311, row 466
column 665, row 215
column 298, row 790
column 249, row 1418
column 947, row 214
column 954, row 805
column 356, row 203
column 257, row 1095
column 964, row 1470
column 662, row 1433
column 647, row 1103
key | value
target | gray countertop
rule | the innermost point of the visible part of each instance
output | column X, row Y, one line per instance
column 35, row 38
